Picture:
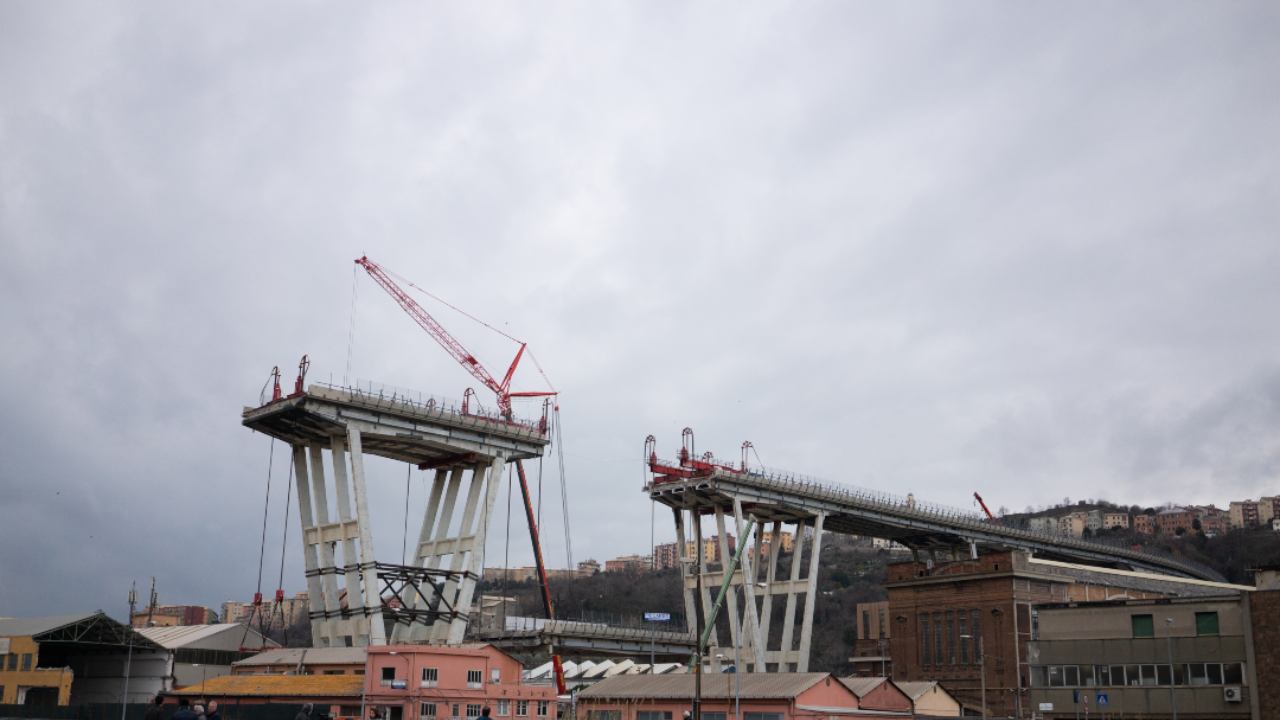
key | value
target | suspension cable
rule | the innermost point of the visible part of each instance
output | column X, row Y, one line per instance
column 351, row 330
column 262, row 549
column 564, row 489
column 284, row 542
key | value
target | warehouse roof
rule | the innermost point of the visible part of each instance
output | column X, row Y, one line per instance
column 176, row 636
column 755, row 686
column 307, row 656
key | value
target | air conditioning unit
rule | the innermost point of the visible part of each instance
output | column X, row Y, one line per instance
column 1231, row 694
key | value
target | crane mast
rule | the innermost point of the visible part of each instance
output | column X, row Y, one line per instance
column 504, row 394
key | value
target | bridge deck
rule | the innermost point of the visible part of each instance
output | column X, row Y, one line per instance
column 395, row 427
column 919, row 525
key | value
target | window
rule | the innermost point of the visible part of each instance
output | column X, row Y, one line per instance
column 866, row 627
column 657, row 715
column 542, row 710
column 504, row 707
column 1103, row 674
column 1148, row 674
column 522, row 708
column 495, row 675
column 475, row 679
column 713, row 716
column 455, row 710
column 938, row 657
column 332, row 672
column 605, row 715
column 975, row 628
column 26, row 661
column 1232, row 674
column 1117, row 676
column 1086, row 676
column 762, row 716
column 1038, row 678
column 951, row 637
column 388, row 675
column 1197, row 674
column 1206, row 623
column 1071, row 676
column 1143, row 626
column 427, row 710
column 1215, row 673
column 1164, row 675
column 962, row 620
column 473, row 710
column 13, row 662
column 430, row 677
column 926, row 657
column 1055, row 676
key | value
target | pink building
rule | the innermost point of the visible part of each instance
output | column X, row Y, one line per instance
column 762, row 696
column 877, row 693
column 428, row 682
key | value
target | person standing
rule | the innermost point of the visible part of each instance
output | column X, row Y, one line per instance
column 184, row 710
column 155, row 712
column 212, row 712
column 304, row 713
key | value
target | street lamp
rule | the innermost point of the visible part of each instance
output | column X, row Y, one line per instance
column 737, row 684
column 982, row 671
column 1173, row 702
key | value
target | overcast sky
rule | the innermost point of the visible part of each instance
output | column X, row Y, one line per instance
column 1028, row 249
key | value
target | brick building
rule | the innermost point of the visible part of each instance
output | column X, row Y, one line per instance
column 938, row 614
column 871, row 647
column 1243, row 514
column 295, row 610
column 174, row 615
column 1145, row 524
column 1115, row 520
column 1264, row 615
column 628, row 563
column 1171, row 520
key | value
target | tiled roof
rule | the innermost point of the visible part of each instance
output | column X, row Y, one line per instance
column 917, row 688
column 721, row 686
column 301, row 686
column 862, row 685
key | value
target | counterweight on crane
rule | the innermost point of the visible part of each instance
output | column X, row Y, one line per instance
column 503, row 392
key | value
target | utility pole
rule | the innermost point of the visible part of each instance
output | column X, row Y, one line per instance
column 128, row 661
column 1173, row 702
column 697, row 651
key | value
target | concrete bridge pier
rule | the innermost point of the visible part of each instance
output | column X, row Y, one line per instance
column 323, row 532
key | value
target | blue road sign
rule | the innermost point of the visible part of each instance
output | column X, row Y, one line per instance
column 657, row 617
column 1103, row 699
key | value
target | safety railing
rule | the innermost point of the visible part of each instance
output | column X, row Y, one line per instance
column 876, row 500
column 425, row 402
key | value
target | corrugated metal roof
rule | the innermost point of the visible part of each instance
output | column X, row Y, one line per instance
column 177, row 636
column 756, row 686
column 276, row 686
column 862, row 685
column 23, row 627
column 308, row 656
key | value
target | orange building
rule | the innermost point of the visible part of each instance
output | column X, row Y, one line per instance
column 430, row 682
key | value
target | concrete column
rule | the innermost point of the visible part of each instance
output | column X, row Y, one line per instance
column 713, row 640
column 350, row 563
column 319, row 627
column 786, row 660
column 752, row 629
column 432, row 554
column 771, row 574
column 328, row 568
column 732, row 600
column 461, row 546
column 806, row 627
column 686, row 572
column 478, row 536
column 372, row 593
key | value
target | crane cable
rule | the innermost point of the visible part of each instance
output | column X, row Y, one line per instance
column 262, row 549
column 564, row 491
column 284, row 541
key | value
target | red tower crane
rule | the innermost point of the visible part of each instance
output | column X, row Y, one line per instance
column 990, row 517
column 504, row 394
